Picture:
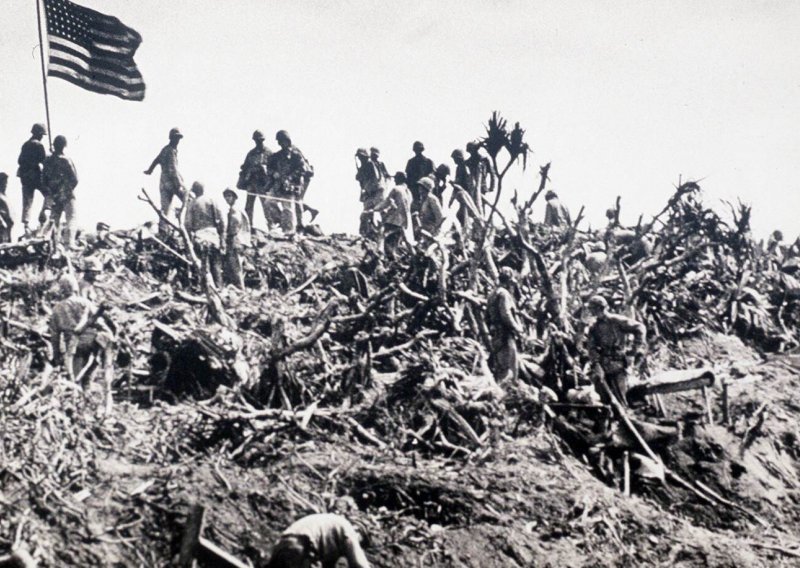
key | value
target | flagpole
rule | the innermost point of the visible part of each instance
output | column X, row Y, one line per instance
column 44, row 72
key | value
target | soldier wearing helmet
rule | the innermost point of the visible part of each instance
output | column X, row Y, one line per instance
column 290, row 174
column 607, row 341
column 480, row 175
column 92, row 268
column 375, row 158
column 504, row 327
column 556, row 213
column 253, row 178
column 60, row 179
column 81, row 336
column 440, row 176
column 417, row 168
column 320, row 540
column 171, row 183
column 430, row 210
column 370, row 180
column 207, row 224
column 468, row 210
column 237, row 238
column 31, row 160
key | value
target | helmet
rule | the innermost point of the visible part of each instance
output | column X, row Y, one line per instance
column 426, row 182
column 283, row 135
column 419, row 146
column 506, row 274
column 443, row 170
column 92, row 265
column 67, row 286
column 38, row 128
column 59, row 141
column 472, row 147
column 598, row 301
column 175, row 133
column 362, row 152
column 457, row 154
column 258, row 135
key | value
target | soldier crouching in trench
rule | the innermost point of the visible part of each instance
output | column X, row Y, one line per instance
column 607, row 342
column 319, row 541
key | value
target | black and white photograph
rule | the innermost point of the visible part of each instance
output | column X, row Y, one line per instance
column 353, row 284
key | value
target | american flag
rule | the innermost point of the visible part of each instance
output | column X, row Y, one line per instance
column 92, row 50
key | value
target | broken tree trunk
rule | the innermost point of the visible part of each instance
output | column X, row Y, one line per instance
column 673, row 381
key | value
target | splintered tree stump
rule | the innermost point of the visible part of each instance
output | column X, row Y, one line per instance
column 672, row 382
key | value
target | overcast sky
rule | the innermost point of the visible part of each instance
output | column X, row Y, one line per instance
column 622, row 97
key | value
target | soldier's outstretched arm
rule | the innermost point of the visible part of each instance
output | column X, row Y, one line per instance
column 152, row 167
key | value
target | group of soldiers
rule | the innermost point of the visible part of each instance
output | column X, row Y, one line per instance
column 408, row 206
column 615, row 342
column 410, row 201
column 278, row 179
column 54, row 176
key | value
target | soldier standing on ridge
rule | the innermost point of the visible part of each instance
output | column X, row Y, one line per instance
column 31, row 160
column 290, row 173
column 481, row 176
column 383, row 173
column 206, row 221
column 556, row 214
column 171, row 183
column 440, row 176
column 417, row 168
column 430, row 210
column 370, row 180
column 395, row 215
column 504, row 327
column 462, row 181
column 237, row 237
column 60, row 178
column 253, row 179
